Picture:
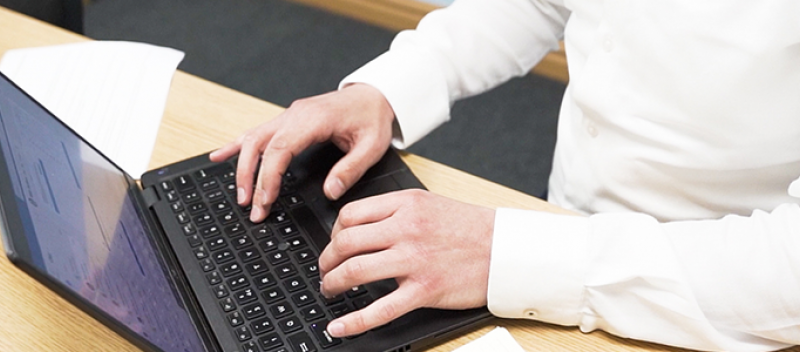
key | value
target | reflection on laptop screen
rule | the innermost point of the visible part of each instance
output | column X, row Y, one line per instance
column 82, row 225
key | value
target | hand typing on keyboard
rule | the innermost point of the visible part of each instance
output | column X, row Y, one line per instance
column 436, row 248
column 358, row 119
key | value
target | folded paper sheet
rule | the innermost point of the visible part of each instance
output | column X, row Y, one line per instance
column 497, row 340
column 111, row 93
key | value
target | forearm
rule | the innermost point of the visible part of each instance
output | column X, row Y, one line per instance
column 729, row 284
column 462, row 50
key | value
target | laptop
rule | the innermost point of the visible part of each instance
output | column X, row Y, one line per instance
column 172, row 263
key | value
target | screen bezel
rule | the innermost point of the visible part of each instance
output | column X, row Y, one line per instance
column 17, row 248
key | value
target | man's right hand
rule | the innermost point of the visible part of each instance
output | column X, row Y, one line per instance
column 357, row 119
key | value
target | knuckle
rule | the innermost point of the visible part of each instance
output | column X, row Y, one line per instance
column 353, row 269
column 359, row 322
column 346, row 215
column 341, row 244
column 387, row 313
column 250, row 140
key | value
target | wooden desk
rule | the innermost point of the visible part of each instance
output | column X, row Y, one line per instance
column 32, row 318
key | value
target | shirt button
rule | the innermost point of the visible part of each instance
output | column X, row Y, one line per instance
column 592, row 130
column 531, row 313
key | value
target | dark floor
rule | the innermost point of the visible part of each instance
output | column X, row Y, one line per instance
column 280, row 51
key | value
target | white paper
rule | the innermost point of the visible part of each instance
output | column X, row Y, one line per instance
column 497, row 340
column 111, row 93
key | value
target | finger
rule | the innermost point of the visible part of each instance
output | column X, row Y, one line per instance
column 363, row 269
column 368, row 210
column 226, row 151
column 348, row 170
column 354, row 241
column 380, row 312
column 275, row 160
column 252, row 143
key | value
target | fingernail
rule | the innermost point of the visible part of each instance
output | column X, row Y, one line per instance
column 335, row 188
column 336, row 329
column 262, row 196
column 255, row 213
column 240, row 195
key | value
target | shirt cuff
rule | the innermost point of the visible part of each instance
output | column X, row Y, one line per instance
column 548, row 247
column 415, row 89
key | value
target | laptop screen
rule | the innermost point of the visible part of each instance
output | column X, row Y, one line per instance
column 82, row 227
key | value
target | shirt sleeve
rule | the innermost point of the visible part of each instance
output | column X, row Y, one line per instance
column 730, row 284
column 459, row 51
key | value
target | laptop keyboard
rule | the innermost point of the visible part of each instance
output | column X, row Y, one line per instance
column 265, row 276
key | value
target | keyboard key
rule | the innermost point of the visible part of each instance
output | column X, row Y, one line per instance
column 293, row 200
column 281, row 309
column 302, row 342
column 262, row 326
column 245, row 296
column 320, row 332
column 197, row 208
column 254, row 311
column 243, row 334
column 312, row 313
column 223, row 256
column 251, row 346
column 207, row 265
column 188, row 229
column 278, row 257
column 297, row 243
column 227, row 305
column 217, row 243
column 183, row 183
column 203, row 219
column 214, row 278
column 249, row 255
column 176, row 207
column 273, row 295
column 311, row 270
column 209, row 231
column 288, row 230
column 256, row 267
column 228, row 218
column 194, row 240
column 261, row 232
column 305, row 256
column 243, row 241
column 191, row 197
column 303, row 298
column 235, row 319
column 231, row 269
column 220, row 291
column 200, row 253
column 356, row 291
column 234, row 229
column 340, row 310
column 264, row 281
column 270, row 341
column 294, row 284
column 285, row 270
column 237, row 283
column 278, row 217
column 290, row 324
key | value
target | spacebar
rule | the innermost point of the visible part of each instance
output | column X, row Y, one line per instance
column 311, row 224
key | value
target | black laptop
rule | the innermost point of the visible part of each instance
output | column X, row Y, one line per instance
column 172, row 263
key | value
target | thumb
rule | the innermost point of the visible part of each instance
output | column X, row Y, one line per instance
column 349, row 169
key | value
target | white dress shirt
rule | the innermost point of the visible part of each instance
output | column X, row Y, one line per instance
column 679, row 136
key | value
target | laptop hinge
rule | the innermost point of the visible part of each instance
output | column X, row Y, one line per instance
column 150, row 196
